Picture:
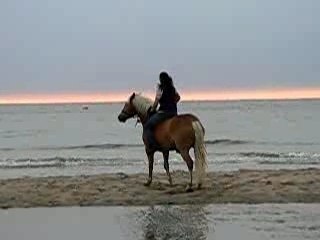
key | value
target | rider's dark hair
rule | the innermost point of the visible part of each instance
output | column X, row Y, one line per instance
column 166, row 82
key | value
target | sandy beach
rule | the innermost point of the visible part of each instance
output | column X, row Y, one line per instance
column 243, row 186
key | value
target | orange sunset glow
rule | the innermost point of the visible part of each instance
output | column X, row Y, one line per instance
column 214, row 95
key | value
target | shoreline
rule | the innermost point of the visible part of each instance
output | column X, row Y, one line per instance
column 120, row 189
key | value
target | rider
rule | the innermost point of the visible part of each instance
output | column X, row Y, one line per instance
column 167, row 97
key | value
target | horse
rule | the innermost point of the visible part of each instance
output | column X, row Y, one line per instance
column 179, row 133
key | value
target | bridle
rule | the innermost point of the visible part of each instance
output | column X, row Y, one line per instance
column 134, row 115
column 128, row 115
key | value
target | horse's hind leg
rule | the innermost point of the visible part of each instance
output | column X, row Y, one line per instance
column 186, row 157
column 166, row 165
column 150, row 160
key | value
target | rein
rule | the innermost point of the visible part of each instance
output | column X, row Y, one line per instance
column 128, row 115
column 137, row 122
column 136, row 114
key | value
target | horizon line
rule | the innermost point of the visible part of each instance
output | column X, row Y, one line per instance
column 182, row 101
column 186, row 96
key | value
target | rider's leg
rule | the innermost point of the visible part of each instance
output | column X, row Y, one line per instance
column 150, row 127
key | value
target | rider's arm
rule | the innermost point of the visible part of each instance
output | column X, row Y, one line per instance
column 156, row 101
column 177, row 97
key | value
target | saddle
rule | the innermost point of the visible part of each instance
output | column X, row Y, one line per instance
column 164, row 117
column 150, row 113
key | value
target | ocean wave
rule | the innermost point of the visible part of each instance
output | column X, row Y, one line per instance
column 265, row 158
column 60, row 162
column 76, row 147
column 7, row 149
column 299, row 155
column 260, row 154
column 207, row 142
column 221, row 141
column 271, row 143
column 261, row 158
column 289, row 143
column 94, row 146
column 226, row 142
column 291, row 162
column 269, row 158
column 119, row 145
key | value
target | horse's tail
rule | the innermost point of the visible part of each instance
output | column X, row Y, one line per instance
column 200, row 152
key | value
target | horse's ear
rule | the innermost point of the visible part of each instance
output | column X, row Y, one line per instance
column 132, row 97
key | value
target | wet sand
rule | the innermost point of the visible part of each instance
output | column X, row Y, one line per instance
column 188, row 222
column 244, row 186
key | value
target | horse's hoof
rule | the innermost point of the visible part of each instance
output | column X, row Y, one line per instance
column 189, row 189
column 147, row 184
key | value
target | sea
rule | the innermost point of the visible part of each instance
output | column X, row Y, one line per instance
column 70, row 139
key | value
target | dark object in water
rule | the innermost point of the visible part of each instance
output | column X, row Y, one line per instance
column 85, row 107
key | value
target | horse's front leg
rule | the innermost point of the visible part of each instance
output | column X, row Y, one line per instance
column 150, row 160
column 166, row 165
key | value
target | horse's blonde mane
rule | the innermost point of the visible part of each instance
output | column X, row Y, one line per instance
column 142, row 104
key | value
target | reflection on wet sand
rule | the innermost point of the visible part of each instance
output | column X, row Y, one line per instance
column 172, row 222
column 218, row 222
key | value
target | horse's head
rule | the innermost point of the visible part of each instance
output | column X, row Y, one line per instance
column 137, row 105
column 128, row 111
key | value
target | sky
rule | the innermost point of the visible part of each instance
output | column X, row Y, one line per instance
column 72, row 48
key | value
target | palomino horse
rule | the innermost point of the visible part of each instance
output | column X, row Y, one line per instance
column 180, row 133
